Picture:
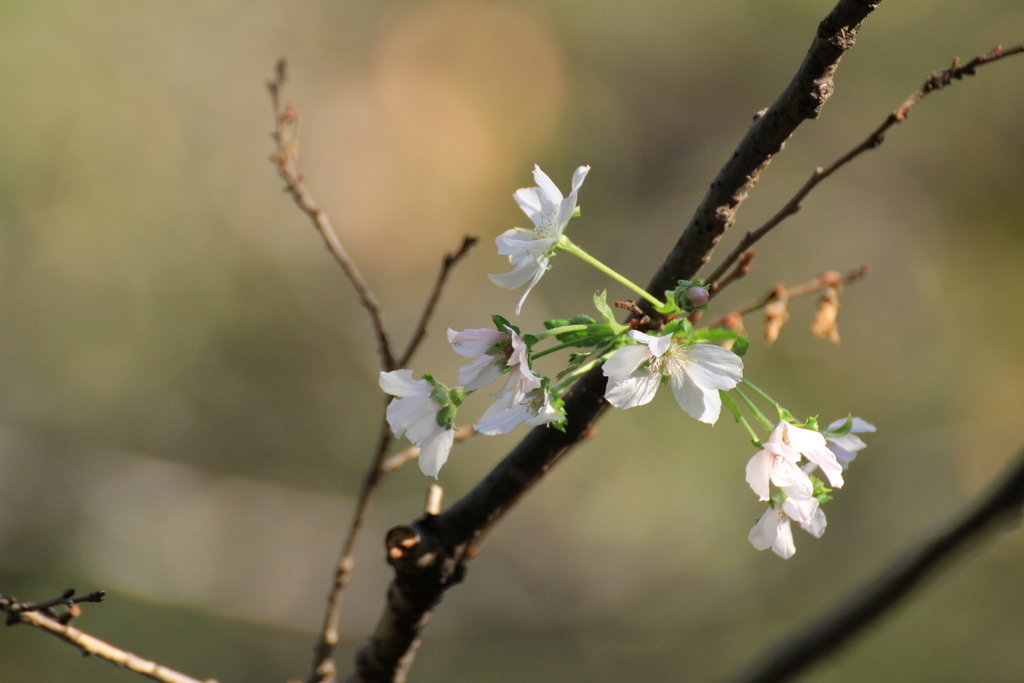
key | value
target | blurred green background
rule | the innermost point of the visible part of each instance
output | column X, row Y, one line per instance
column 188, row 386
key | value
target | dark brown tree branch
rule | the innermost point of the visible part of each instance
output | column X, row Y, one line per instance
column 429, row 555
column 937, row 81
column 802, row 99
column 998, row 509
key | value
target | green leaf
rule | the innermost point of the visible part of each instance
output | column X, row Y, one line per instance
column 601, row 304
column 575, row 361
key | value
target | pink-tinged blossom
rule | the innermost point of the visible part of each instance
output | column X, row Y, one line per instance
column 492, row 352
column 530, row 249
column 845, row 447
column 533, row 409
column 696, row 373
column 778, row 459
column 773, row 531
column 778, row 463
column 413, row 412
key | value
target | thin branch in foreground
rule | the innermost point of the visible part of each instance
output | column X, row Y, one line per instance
column 90, row 646
column 998, row 509
column 937, row 81
column 286, row 158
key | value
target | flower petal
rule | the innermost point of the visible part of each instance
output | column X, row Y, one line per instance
column 434, row 451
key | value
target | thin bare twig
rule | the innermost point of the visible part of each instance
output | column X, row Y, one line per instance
column 324, row 669
column 429, row 555
column 937, row 81
column 33, row 615
column 286, row 158
column 450, row 259
column 823, row 281
column 998, row 509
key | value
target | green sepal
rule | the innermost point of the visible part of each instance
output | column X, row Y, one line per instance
column 439, row 393
column 457, row 395
column 821, row 492
column 576, row 212
column 841, row 430
column 446, row 417
column 501, row 323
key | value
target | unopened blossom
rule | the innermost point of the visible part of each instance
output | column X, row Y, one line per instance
column 773, row 531
column 492, row 352
column 696, row 373
column 414, row 412
column 533, row 409
column 845, row 447
column 530, row 249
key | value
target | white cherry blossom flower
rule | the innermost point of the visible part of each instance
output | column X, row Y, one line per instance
column 845, row 447
column 530, row 249
column 778, row 463
column 414, row 412
column 533, row 409
column 778, row 458
column 492, row 352
column 696, row 373
column 773, row 531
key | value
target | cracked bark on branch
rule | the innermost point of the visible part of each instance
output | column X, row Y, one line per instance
column 429, row 555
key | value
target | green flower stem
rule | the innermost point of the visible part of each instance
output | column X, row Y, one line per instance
column 757, row 413
column 582, row 341
column 565, row 245
column 579, row 372
column 760, row 393
column 735, row 410
column 582, row 327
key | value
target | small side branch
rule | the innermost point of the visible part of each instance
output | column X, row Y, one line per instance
column 286, row 159
column 937, row 81
column 34, row 614
column 827, row 279
column 999, row 509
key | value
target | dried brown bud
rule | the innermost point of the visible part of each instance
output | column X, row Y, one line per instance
column 824, row 325
column 776, row 314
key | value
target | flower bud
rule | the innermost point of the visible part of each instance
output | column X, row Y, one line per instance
column 697, row 296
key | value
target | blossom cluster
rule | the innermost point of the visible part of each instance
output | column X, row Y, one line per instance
column 702, row 367
column 798, row 495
